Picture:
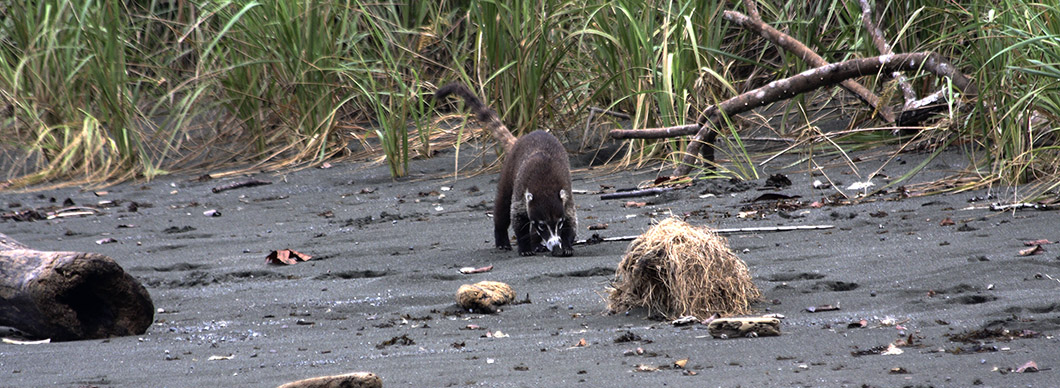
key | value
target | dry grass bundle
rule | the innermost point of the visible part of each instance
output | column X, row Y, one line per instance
column 676, row 269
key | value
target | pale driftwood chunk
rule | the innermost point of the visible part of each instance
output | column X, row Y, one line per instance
column 349, row 380
column 744, row 327
column 69, row 296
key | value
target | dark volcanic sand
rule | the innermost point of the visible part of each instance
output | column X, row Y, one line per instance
column 385, row 266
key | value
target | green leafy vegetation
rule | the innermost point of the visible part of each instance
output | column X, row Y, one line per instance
column 95, row 92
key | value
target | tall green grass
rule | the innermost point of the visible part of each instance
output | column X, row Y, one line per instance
column 106, row 91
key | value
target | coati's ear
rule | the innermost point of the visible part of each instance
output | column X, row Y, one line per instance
column 564, row 195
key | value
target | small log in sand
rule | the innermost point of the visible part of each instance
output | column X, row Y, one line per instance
column 69, row 295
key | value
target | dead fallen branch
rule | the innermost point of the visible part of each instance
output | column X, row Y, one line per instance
column 69, row 296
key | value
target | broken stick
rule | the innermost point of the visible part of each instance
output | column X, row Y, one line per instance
column 596, row 239
column 69, row 296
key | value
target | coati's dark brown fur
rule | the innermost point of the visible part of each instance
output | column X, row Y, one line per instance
column 534, row 189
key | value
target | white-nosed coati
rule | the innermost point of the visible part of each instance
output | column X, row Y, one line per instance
column 534, row 189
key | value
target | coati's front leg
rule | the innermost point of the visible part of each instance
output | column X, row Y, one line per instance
column 524, row 236
column 502, row 218
column 566, row 236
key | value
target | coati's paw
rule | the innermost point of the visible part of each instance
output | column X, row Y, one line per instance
column 505, row 247
column 540, row 249
column 526, row 253
column 563, row 252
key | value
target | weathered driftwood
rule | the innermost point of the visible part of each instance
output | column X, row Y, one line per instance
column 350, row 380
column 69, row 295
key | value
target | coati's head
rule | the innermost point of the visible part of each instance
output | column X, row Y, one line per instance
column 547, row 213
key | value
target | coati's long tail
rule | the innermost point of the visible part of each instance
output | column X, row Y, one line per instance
column 483, row 113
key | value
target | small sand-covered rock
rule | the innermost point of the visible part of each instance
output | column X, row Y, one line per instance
column 349, row 380
column 484, row 296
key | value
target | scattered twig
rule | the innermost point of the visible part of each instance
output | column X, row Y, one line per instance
column 595, row 110
column 1017, row 206
column 239, row 185
column 636, row 193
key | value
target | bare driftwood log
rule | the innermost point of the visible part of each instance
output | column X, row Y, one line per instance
column 789, row 87
column 69, row 295
column 350, row 380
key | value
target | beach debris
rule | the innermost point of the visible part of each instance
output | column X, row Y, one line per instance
column 628, row 336
column 484, row 296
column 398, row 340
column 710, row 319
column 73, row 211
column 286, row 257
column 1038, row 242
column 25, row 342
column 676, row 269
column 892, row 350
column 995, row 334
column 778, row 181
column 680, row 364
column 496, row 334
column 774, row 197
column 601, row 226
column 107, row 240
column 581, row 343
column 239, row 185
column 1037, row 249
column 212, row 213
column 685, row 320
column 899, row 371
column 823, row 307
column 947, row 222
column 471, row 270
column 645, row 368
column 635, row 204
column 860, row 185
column 349, row 380
column 858, row 324
column 744, row 327
column 221, row 358
column 1028, row 367
column 639, row 351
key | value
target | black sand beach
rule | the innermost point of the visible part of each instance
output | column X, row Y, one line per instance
column 378, row 294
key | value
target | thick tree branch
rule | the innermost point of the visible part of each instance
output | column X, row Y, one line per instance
column 885, row 49
column 794, row 46
column 800, row 83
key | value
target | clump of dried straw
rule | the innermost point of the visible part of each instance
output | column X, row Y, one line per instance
column 676, row 269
